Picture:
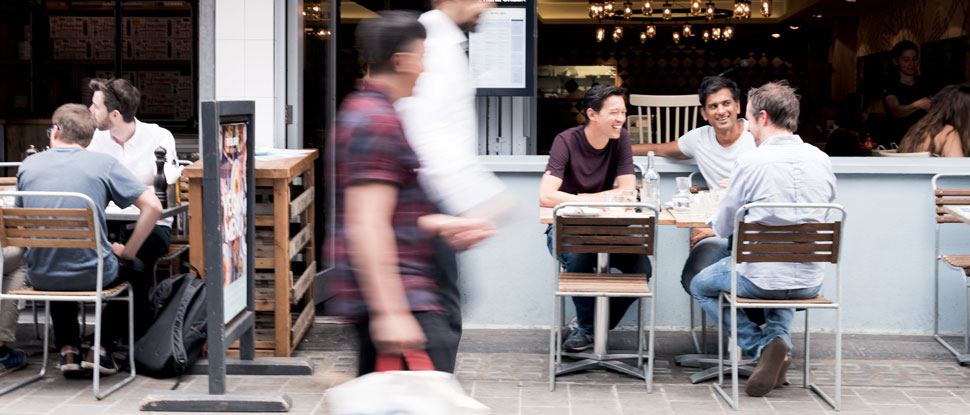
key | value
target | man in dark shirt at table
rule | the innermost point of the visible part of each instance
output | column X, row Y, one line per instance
column 583, row 163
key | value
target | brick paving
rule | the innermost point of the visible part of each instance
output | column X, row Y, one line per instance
column 508, row 371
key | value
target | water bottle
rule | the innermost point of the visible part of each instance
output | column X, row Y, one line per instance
column 650, row 193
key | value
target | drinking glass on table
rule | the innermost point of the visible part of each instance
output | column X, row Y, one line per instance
column 621, row 196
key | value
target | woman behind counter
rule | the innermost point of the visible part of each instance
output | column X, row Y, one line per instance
column 945, row 130
column 907, row 99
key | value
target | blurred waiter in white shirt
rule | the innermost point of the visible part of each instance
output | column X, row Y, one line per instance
column 440, row 125
column 114, row 105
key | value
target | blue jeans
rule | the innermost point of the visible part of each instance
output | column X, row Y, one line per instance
column 586, row 306
column 709, row 283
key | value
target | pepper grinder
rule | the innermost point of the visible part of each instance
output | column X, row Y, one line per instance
column 161, row 185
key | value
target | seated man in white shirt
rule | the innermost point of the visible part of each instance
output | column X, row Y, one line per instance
column 715, row 148
column 783, row 169
column 122, row 136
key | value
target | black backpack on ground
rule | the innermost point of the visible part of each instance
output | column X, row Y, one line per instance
column 175, row 339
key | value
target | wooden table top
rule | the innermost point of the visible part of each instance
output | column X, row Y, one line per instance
column 545, row 216
column 267, row 169
column 689, row 219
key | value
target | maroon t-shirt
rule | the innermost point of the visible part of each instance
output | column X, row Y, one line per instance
column 584, row 169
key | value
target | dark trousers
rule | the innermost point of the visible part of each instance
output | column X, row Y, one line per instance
column 437, row 329
column 445, row 274
column 155, row 246
column 708, row 252
column 586, row 306
column 114, row 318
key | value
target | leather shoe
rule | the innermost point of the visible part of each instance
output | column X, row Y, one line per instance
column 770, row 368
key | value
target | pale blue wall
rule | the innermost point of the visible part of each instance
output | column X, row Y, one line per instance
column 888, row 252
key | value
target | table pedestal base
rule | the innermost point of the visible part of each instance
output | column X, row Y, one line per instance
column 608, row 361
column 709, row 361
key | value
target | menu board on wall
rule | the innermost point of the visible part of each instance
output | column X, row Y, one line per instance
column 501, row 50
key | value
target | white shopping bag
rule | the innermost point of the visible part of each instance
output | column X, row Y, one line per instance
column 389, row 390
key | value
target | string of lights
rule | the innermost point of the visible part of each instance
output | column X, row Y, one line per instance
column 693, row 11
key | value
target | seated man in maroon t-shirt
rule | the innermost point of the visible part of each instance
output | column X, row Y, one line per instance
column 583, row 163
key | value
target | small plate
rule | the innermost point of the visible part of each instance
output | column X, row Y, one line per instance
column 580, row 211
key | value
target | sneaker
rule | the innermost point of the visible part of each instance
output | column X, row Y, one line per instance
column 70, row 362
column 567, row 330
column 16, row 359
column 108, row 365
column 770, row 368
column 578, row 340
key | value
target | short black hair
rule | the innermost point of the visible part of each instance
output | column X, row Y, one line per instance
column 378, row 39
column 119, row 94
column 903, row 46
column 711, row 84
column 596, row 95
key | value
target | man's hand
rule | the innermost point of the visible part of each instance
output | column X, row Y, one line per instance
column 700, row 234
column 119, row 251
column 460, row 233
column 395, row 332
column 923, row 104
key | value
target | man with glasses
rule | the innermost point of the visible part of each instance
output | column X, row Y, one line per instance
column 122, row 136
column 68, row 167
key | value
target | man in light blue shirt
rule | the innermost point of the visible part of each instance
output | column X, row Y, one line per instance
column 783, row 169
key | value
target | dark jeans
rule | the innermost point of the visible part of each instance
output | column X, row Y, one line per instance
column 445, row 273
column 586, row 306
column 437, row 329
column 156, row 244
column 114, row 318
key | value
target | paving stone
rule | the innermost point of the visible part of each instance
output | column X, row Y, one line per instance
column 788, row 407
column 689, row 393
column 898, row 409
column 696, row 407
column 890, row 396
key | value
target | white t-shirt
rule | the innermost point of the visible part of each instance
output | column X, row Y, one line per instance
column 714, row 160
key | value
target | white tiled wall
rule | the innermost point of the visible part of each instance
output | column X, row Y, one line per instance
column 244, row 59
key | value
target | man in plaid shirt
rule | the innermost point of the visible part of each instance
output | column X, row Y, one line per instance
column 385, row 222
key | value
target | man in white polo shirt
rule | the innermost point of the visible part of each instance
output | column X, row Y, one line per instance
column 715, row 148
column 122, row 136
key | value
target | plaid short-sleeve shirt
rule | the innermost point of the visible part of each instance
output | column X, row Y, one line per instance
column 371, row 147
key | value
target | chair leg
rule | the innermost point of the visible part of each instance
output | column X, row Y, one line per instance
column 734, row 357
column 97, row 350
column 808, row 351
column 651, row 352
column 131, row 345
column 838, row 358
column 33, row 307
column 553, row 348
column 640, row 335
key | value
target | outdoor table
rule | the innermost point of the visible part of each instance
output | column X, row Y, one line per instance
column 130, row 213
column 689, row 219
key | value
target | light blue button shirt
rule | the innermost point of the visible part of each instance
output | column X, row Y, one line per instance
column 783, row 169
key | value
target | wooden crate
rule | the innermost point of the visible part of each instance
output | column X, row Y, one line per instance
column 285, row 251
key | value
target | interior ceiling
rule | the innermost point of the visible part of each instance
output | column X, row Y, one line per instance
column 577, row 11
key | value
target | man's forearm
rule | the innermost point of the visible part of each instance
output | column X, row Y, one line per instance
column 374, row 257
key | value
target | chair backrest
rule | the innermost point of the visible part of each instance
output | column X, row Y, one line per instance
column 807, row 242
column 948, row 196
column 49, row 228
column 609, row 235
column 662, row 118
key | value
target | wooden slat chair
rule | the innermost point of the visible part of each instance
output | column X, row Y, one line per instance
column 598, row 235
column 808, row 242
column 667, row 117
column 64, row 228
column 950, row 196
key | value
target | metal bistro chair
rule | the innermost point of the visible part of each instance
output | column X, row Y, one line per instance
column 941, row 197
column 603, row 236
column 667, row 117
column 64, row 228
column 807, row 242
